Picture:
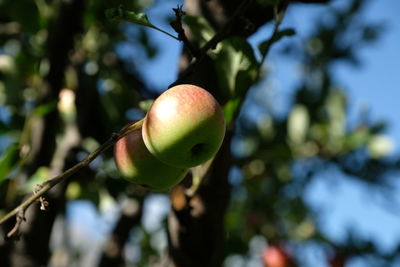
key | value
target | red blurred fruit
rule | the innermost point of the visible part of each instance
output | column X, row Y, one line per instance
column 275, row 256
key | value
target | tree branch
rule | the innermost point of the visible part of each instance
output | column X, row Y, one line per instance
column 212, row 43
column 177, row 25
column 278, row 17
column 47, row 185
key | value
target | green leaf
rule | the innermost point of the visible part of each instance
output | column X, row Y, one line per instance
column 120, row 13
column 40, row 175
column 236, row 66
column 335, row 107
column 200, row 28
column 45, row 109
column 298, row 124
column 380, row 146
column 356, row 139
column 230, row 109
column 265, row 46
column 145, row 104
column 132, row 17
column 8, row 161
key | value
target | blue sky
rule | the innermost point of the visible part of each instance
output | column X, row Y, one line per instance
column 377, row 83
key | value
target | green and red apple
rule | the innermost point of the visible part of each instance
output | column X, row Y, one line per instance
column 184, row 127
column 138, row 165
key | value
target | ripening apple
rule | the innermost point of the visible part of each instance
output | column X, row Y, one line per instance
column 184, row 127
column 138, row 165
column 275, row 256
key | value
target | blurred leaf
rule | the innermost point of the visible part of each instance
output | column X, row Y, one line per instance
column 236, row 66
column 357, row 138
column 84, row 190
column 41, row 175
column 7, row 64
column 200, row 28
column 73, row 191
column 90, row 144
column 265, row 46
column 335, row 106
column 145, row 104
column 8, row 161
column 45, row 109
column 122, row 14
column 105, row 200
column 298, row 124
column 230, row 109
column 380, row 146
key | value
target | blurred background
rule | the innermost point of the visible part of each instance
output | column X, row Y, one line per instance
column 309, row 169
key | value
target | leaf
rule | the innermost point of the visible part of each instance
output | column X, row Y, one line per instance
column 298, row 124
column 8, row 161
column 265, row 46
column 335, row 107
column 120, row 13
column 132, row 17
column 40, row 175
column 145, row 104
column 230, row 109
column 236, row 66
column 380, row 146
column 200, row 28
column 45, row 109
column 356, row 139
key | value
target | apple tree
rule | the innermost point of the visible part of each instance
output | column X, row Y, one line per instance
column 74, row 88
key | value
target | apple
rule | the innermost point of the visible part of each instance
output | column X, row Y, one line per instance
column 275, row 256
column 138, row 165
column 184, row 127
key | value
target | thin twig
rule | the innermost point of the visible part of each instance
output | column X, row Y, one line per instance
column 19, row 219
column 47, row 185
column 177, row 25
column 227, row 27
column 278, row 17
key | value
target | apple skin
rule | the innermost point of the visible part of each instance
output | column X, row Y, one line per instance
column 275, row 256
column 184, row 127
column 138, row 165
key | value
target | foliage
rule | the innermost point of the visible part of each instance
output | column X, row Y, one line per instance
column 57, row 109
